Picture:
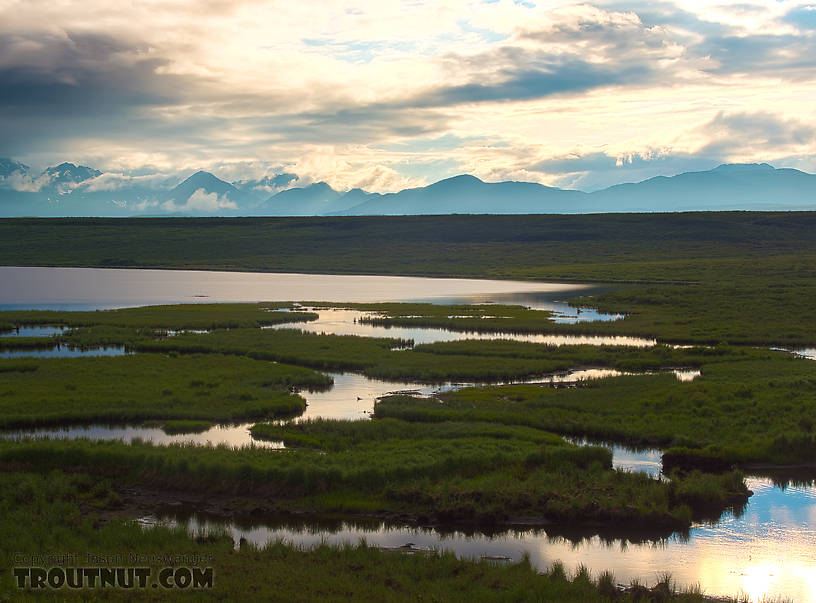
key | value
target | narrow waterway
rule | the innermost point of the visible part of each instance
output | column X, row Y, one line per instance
column 764, row 550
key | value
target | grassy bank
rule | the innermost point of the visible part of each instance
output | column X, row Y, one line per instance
column 149, row 386
column 699, row 313
column 177, row 316
column 750, row 405
column 57, row 513
column 736, row 412
column 472, row 473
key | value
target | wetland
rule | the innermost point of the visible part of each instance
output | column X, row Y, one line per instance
column 558, row 436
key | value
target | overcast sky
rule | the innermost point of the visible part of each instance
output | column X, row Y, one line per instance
column 384, row 95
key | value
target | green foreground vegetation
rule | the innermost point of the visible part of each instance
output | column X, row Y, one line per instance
column 78, row 514
column 53, row 391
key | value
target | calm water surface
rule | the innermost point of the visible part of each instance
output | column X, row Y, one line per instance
column 351, row 397
column 40, row 331
column 64, row 351
column 338, row 321
column 767, row 550
column 95, row 288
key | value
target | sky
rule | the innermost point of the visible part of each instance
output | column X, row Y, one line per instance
column 385, row 95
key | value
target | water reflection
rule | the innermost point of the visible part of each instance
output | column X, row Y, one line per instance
column 351, row 397
column 91, row 288
column 687, row 374
column 40, row 331
column 766, row 551
column 233, row 436
column 64, row 351
column 338, row 321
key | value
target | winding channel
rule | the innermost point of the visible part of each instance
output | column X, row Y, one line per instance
column 766, row 549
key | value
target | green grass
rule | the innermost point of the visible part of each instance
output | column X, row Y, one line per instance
column 27, row 343
column 750, row 405
column 62, row 513
column 449, row 472
column 750, row 411
column 179, row 316
column 149, row 386
column 470, row 360
column 700, row 313
column 481, row 456
column 185, row 426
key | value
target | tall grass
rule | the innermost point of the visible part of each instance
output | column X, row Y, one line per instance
column 149, row 386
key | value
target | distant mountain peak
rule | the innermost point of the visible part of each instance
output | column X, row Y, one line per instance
column 9, row 166
column 461, row 178
column 320, row 186
column 202, row 176
column 743, row 167
column 70, row 172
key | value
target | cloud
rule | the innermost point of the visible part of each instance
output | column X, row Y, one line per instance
column 744, row 135
column 109, row 181
column 358, row 93
column 201, row 201
column 21, row 181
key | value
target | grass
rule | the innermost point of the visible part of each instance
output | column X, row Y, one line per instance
column 729, row 415
column 736, row 412
column 185, row 426
column 76, row 513
column 27, row 343
column 702, row 313
column 149, row 386
column 178, row 316
column 470, row 360
column 447, row 472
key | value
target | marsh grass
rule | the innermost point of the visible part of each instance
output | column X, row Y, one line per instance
column 738, row 412
column 453, row 472
column 55, row 511
column 185, row 426
column 174, row 316
column 149, row 386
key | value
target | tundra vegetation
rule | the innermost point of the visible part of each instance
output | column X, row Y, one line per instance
column 77, row 513
column 727, row 286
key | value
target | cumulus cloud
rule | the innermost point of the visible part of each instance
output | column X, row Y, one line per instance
column 22, row 181
column 200, row 202
column 109, row 181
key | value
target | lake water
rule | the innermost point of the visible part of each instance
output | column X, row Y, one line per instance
column 96, row 288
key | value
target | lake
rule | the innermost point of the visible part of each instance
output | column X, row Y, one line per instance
column 97, row 288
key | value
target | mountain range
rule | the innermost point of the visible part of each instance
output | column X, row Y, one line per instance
column 71, row 190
